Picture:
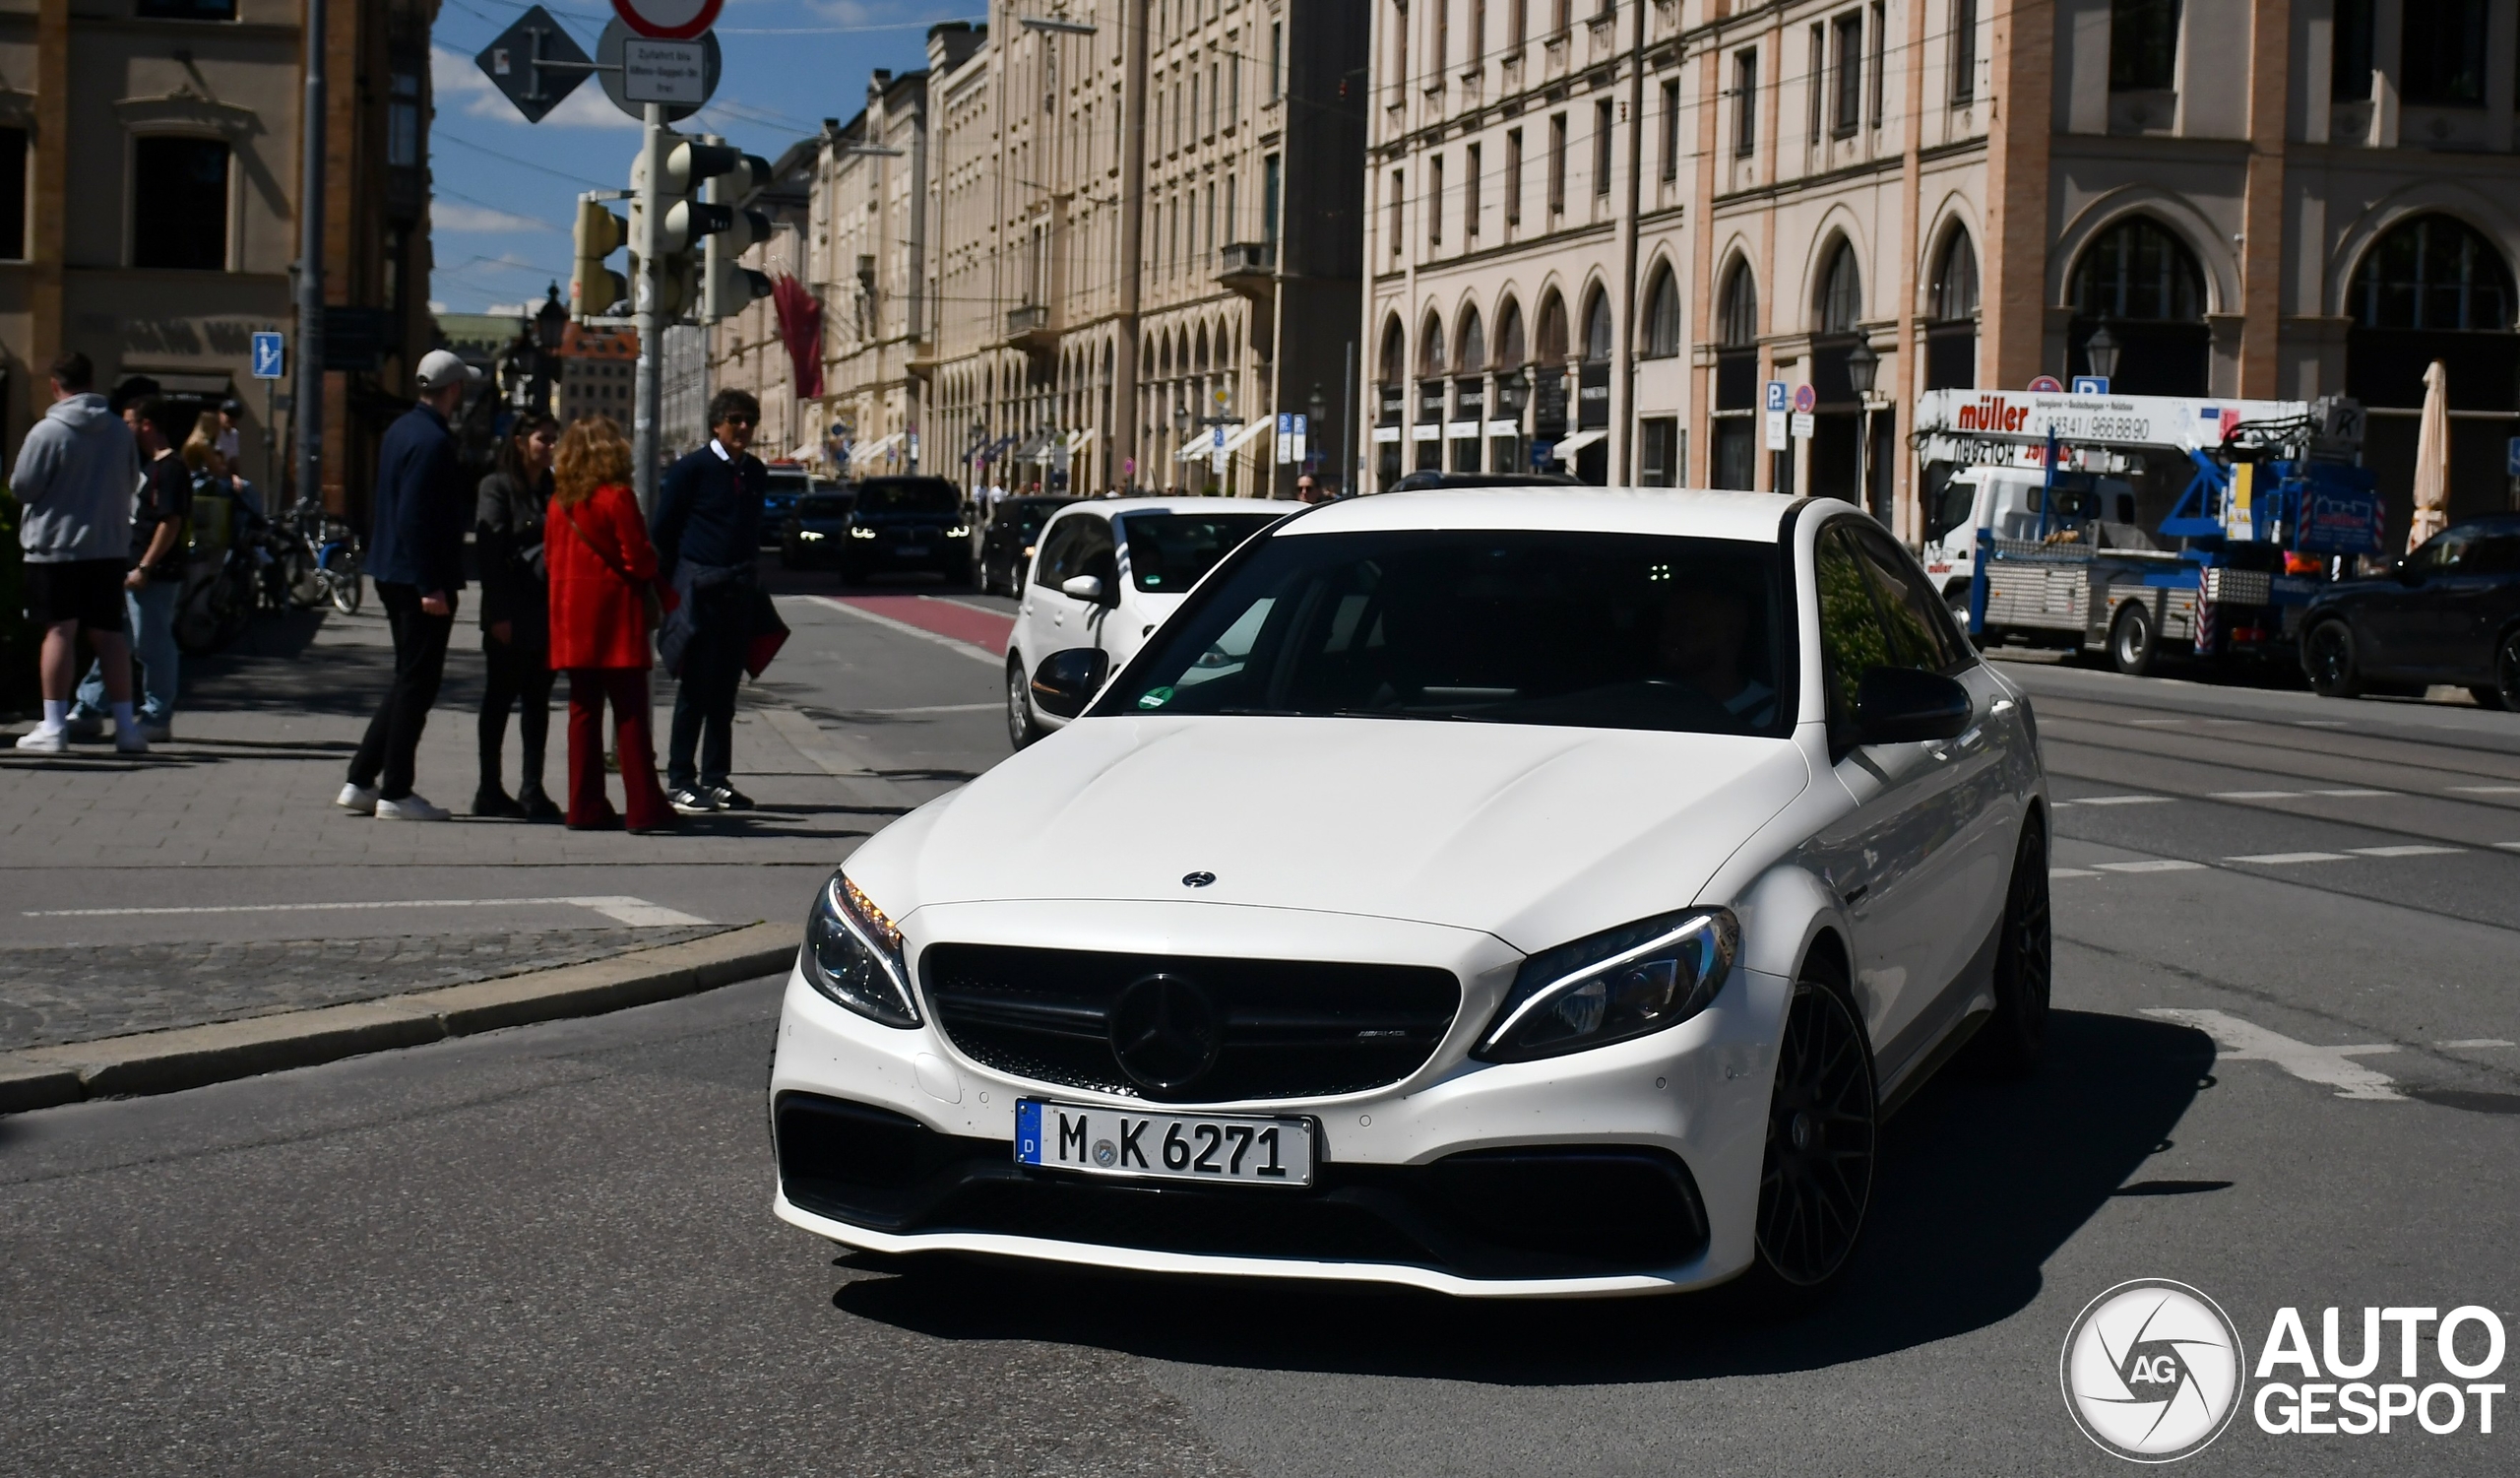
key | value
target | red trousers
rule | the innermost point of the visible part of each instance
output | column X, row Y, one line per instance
column 628, row 690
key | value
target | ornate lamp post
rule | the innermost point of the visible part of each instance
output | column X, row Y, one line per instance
column 1862, row 367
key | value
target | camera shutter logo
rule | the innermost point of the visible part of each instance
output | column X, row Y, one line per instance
column 2153, row 1371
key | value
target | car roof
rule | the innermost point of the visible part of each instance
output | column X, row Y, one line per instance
column 1751, row 517
column 1114, row 507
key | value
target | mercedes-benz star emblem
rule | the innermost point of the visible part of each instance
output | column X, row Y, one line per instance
column 1165, row 1032
column 1197, row 880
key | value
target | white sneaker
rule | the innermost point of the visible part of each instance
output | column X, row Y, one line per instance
column 411, row 808
column 46, row 738
column 85, row 725
column 129, row 739
column 357, row 800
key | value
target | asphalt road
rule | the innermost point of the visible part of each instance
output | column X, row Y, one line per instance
column 550, row 1250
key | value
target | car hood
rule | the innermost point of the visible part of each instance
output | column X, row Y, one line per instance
column 1534, row 834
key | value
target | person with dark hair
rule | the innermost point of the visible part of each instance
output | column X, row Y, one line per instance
column 707, row 532
column 160, row 522
column 74, row 478
column 415, row 556
column 232, row 431
column 516, row 617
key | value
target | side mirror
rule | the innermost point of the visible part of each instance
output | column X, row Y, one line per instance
column 1904, row 706
column 1086, row 588
column 1066, row 681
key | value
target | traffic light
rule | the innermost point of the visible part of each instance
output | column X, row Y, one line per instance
column 698, row 235
column 726, row 286
column 596, row 289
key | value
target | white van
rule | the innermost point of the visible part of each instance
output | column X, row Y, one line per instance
column 2007, row 500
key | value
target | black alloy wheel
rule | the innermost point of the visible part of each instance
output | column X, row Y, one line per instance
column 1815, row 1186
column 1020, row 728
column 2008, row 1043
column 2327, row 661
column 2506, row 673
column 2133, row 641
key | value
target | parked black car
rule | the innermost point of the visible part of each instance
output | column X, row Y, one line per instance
column 814, row 530
column 905, row 524
column 1006, row 548
column 787, row 482
column 2448, row 613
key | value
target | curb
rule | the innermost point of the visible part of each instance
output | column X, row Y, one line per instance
column 191, row 1056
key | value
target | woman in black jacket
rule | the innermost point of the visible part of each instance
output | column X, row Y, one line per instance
column 516, row 617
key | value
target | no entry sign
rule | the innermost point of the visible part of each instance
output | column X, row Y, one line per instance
column 668, row 20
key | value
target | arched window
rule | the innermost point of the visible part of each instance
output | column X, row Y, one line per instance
column 2142, row 282
column 2138, row 270
column 1552, row 330
column 1954, row 294
column 1738, row 319
column 1596, row 327
column 1395, row 352
column 1661, row 315
column 1202, row 360
column 1431, row 348
column 1841, row 300
column 1510, row 351
column 1473, row 356
column 2433, row 272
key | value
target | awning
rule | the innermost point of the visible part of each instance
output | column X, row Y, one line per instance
column 1080, row 440
column 873, row 449
column 1036, row 448
column 1566, row 450
column 1249, row 431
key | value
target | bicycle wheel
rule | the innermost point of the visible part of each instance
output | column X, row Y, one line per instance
column 304, row 579
column 347, row 589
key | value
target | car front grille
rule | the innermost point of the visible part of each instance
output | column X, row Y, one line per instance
column 1180, row 1029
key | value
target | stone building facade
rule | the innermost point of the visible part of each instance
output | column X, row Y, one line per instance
column 149, row 176
column 1597, row 231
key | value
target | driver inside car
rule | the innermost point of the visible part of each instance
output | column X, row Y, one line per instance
column 1706, row 625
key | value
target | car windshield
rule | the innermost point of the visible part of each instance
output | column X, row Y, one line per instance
column 822, row 505
column 787, row 484
column 1582, row 629
column 908, row 495
column 1170, row 551
column 1028, row 517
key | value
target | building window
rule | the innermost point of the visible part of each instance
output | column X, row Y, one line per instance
column 1661, row 315
column 2442, row 52
column 1435, row 200
column 1440, row 42
column 1601, row 147
column 402, row 123
column 1658, row 452
column 1739, row 321
column 1954, row 294
column 1470, row 194
column 2433, row 272
column 13, row 194
column 1951, row 308
column 1518, row 24
column 1557, row 163
column 1394, row 207
column 1597, row 329
column 2143, row 45
column 1477, row 33
column 1841, row 292
column 1880, row 31
column 1845, row 56
column 185, row 10
column 180, row 204
column 1234, row 92
column 1813, row 86
column 1269, row 195
column 2139, row 270
column 1513, row 177
column 2350, row 59
column 1745, row 102
column 1671, row 161
column 1964, row 51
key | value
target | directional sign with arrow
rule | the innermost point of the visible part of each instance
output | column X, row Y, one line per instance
column 534, row 64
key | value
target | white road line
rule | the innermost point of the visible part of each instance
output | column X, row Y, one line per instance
column 2319, row 723
column 888, row 713
column 2349, row 792
column 2247, row 1042
column 2472, row 1043
column 2071, row 873
column 2486, row 789
column 637, row 913
column 2508, row 846
column 2115, row 800
column 2156, row 722
column 2278, row 858
column 2255, row 794
column 2157, row 864
column 2405, row 851
column 981, row 654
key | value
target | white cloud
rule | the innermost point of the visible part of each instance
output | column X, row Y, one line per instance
column 462, row 88
column 437, row 304
column 458, row 216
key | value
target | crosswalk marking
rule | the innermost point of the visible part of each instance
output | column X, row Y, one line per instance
column 2405, row 851
column 2154, row 865
column 2280, row 859
column 2473, row 1043
column 2071, row 873
column 2255, row 795
column 2114, row 800
column 2349, row 792
column 2487, row 789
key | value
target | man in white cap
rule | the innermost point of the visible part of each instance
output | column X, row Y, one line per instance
column 415, row 556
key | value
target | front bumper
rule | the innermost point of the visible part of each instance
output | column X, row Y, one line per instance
column 1628, row 1169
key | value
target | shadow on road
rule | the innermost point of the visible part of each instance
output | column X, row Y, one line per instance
column 1980, row 1182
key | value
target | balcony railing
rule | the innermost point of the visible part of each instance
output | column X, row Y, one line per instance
column 1249, row 268
column 1029, row 327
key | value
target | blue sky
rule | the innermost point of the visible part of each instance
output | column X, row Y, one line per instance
column 505, row 189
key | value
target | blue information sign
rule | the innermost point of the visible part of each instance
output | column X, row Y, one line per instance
column 268, row 358
column 2091, row 384
column 1777, row 391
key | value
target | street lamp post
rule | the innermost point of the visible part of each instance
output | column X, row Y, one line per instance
column 1863, row 367
column 2100, row 351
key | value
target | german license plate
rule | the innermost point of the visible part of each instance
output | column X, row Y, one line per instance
column 910, row 550
column 1163, row 1147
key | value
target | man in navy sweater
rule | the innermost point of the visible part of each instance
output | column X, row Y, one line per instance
column 707, row 530
column 415, row 556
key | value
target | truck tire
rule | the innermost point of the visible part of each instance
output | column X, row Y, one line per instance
column 2328, row 662
column 2133, row 641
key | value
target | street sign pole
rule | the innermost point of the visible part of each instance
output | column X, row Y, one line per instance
column 306, row 415
column 646, row 296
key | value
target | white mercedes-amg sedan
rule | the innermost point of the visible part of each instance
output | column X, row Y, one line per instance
column 1505, row 893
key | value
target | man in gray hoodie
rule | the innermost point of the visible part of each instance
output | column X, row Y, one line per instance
column 77, row 471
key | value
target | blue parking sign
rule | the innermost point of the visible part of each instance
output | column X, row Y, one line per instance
column 1777, row 391
column 268, row 356
column 2091, row 384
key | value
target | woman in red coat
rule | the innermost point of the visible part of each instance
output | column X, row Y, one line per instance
column 603, row 572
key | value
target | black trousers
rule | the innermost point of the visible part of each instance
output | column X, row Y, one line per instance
column 519, row 674
column 704, row 700
column 385, row 756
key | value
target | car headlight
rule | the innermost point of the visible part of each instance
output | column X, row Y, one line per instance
column 1622, row 983
column 858, row 532
column 959, row 530
column 1028, row 551
column 853, row 955
column 809, row 536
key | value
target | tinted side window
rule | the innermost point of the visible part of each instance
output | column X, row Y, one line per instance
column 1059, row 551
column 2494, row 554
column 1853, row 640
column 1916, row 620
column 1097, row 554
